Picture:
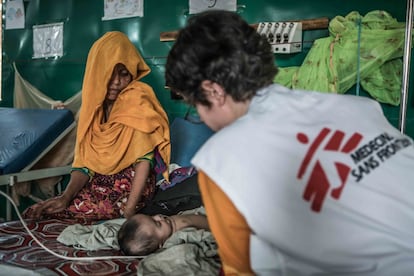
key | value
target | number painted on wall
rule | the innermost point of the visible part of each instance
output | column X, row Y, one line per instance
column 48, row 40
column 197, row 6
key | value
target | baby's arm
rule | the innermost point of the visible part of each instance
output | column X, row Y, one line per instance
column 182, row 221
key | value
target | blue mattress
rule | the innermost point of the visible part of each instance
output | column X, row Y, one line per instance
column 26, row 133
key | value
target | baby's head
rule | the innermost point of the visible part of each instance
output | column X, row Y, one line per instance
column 141, row 234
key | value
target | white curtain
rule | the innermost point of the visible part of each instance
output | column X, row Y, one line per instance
column 28, row 96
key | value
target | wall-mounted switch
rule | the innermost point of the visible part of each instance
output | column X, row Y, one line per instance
column 284, row 37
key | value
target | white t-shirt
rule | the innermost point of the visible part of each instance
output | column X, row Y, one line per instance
column 325, row 182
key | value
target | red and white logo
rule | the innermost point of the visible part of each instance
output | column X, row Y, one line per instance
column 318, row 185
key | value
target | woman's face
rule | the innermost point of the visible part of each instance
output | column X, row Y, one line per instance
column 120, row 79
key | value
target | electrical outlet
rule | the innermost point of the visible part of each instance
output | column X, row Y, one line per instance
column 284, row 37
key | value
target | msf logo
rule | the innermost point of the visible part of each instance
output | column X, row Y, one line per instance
column 318, row 185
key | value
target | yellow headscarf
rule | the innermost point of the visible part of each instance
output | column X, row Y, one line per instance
column 137, row 123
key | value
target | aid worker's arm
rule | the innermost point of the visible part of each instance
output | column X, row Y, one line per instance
column 228, row 226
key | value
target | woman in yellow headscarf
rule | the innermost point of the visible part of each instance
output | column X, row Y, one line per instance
column 122, row 137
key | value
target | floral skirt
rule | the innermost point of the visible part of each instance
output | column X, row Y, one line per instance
column 105, row 197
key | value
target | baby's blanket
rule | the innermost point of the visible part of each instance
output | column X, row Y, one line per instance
column 187, row 252
column 92, row 237
column 100, row 236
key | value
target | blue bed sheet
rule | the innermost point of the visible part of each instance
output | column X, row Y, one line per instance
column 26, row 133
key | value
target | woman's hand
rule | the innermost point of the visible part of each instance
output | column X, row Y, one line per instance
column 50, row 206
column 142, row 170
column 59, row 203
column 129, row 211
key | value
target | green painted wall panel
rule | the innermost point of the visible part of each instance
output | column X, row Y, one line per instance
column 62, row 77
column 83, row 25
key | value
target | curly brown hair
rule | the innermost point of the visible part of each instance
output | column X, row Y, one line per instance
column 221, row 47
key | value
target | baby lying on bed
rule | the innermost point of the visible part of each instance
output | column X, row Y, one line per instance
column 175, row 245
column 143, row 234
column 184, row 238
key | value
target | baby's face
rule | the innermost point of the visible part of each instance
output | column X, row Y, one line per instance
column 159, row 225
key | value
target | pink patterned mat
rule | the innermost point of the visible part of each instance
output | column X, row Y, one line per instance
column 17, row 248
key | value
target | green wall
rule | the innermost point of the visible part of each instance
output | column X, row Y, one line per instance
column 62, row 77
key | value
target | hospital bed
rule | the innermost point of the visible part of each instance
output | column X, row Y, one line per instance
column 19, row 252
column 26, row 135
column 21, row 255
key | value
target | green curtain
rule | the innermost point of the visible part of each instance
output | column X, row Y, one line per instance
column 372, row 45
